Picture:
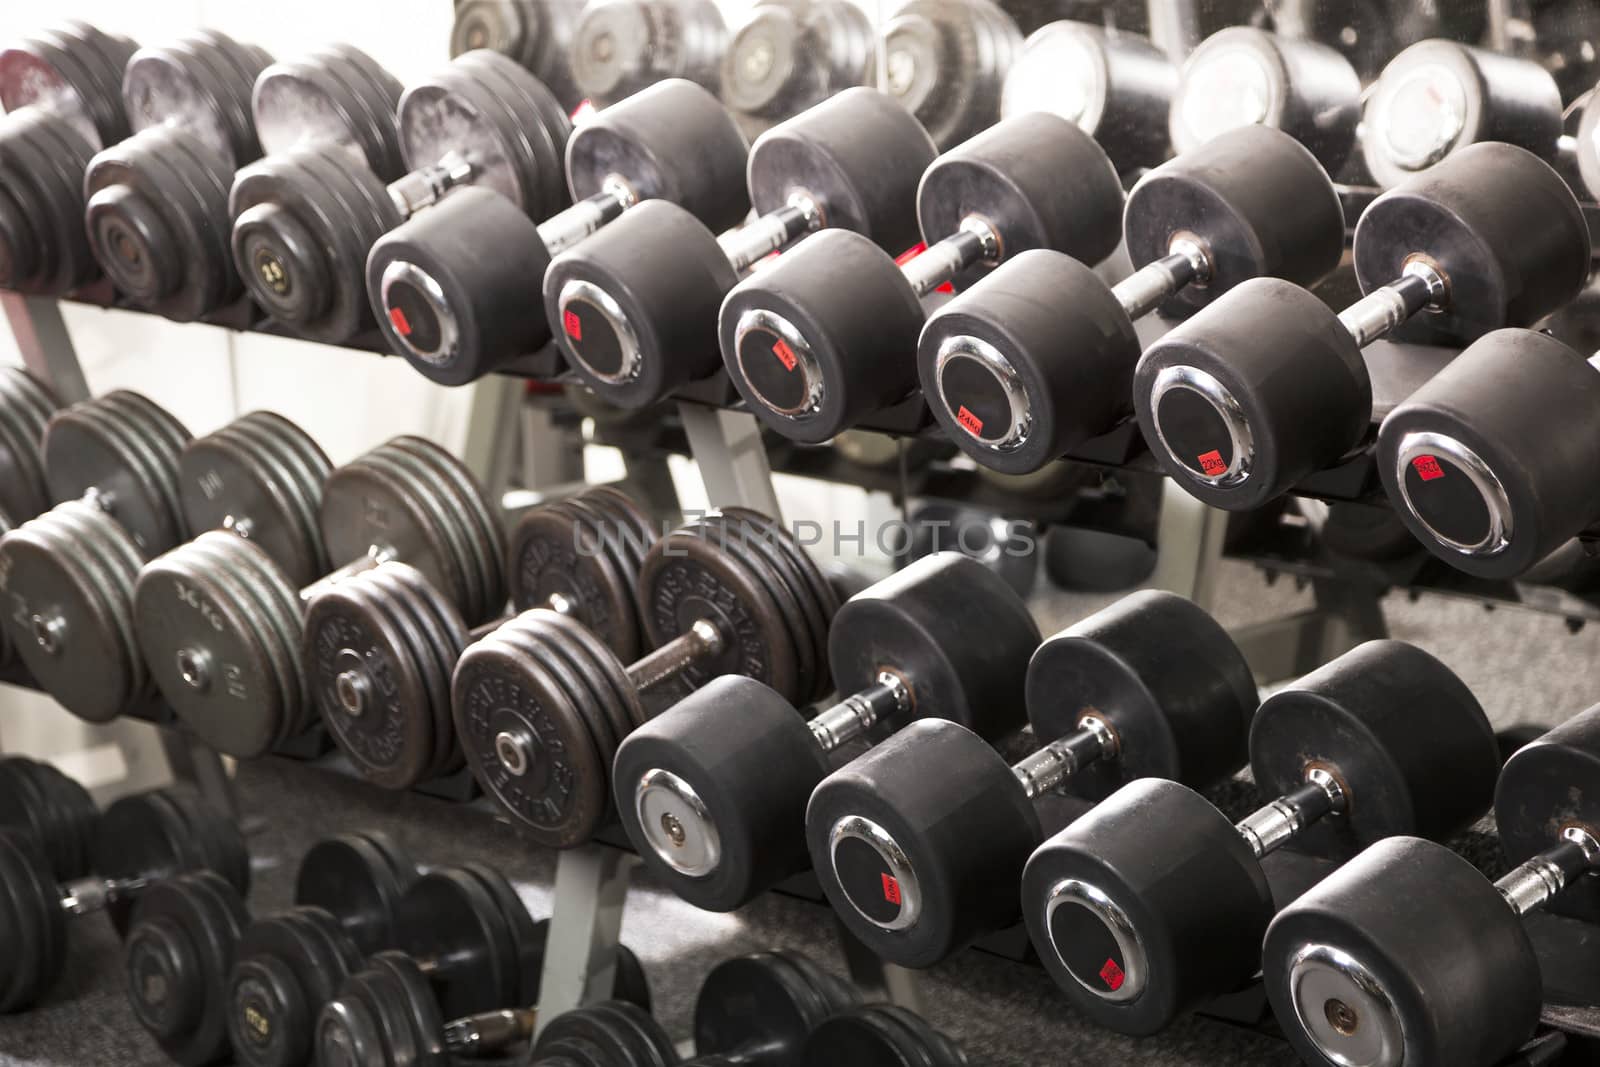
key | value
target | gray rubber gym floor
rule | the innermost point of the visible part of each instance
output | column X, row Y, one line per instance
column 1525, row 667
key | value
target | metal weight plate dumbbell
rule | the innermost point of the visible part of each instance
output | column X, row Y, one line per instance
column 49, row 811
column 1242, row 76
column 1489, row 237
column 880, row 1035
column 61, row 90
column 185, row 937
column 259, row 478
column 387, row 1013
column 25, row 409
column 1408, row 954
column 305, row 222
column 1488, row 462
column 112, row 463
column 1383, row 741
column 224, row 603
column 1039, row 357
column 713, row 791
column 451, row 288
column 1438, row 96
column 946, row 61
column 383, row 690
column 157, row 203
column 596, row 1035
column 536, row 33
column 788, row 55
column 138, row 840
column 826, row 334
column 621, row 47
column 305, row 216
column 637, row 303
column 541, row 706
column 920, row 844
column 1117, row 87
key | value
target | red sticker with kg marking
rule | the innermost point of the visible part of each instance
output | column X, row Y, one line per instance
column 1427, row 468
column 572, row 324
column 401, row 326
column 785, row 354
column 1112, row 975
column 1211, row 463
column 891, row 889
column 970, row 422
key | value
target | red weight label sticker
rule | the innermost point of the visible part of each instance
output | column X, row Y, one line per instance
column 891, row 889
column 401, row 326
column 970, row 422
column 785, row 355
column 1427, row 468
column 1211, row 463
column 1112, row 975
column 572, row 324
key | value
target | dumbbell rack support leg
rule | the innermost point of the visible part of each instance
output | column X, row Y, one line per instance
column 580, row 959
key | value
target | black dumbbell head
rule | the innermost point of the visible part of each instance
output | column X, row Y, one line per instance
column 1404, row 737
column 55, row 814
column 1405, row 954
column 335, row 98
column 159, row 834
column 33, row 927
column 857, row 155
column 1034, row 359
column 1488, row 462
column 920, row 842
column 361, row 878
column 637, row 304
column 285, row 969
column 954, row 633
column 75, row 70
column 1010, row 177
column 713, row 792
column 177, row 956
column 1146, row 906
column 1221, row 415
column 1243, row 76
column 26, row 406
column 304, row 222
column 767, row 69
column 1438, row 96
column 1166, row 679
column 605, row 1033
column 880, row 1035
column 451, row 915
column 44, row 248
column 823, row 337
column 203, row 83
column 673, row 141
column 1255, row 199
column 762, row 1005
column 1497, row 222
column 385, row 1013
column 1547, row 787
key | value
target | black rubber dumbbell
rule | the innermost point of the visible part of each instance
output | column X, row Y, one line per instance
column 826, row 335
column 1439, row 96
column 139, row 840
column 599, row 1035
column 880, row 1035
column 946, row 61
column 304, row 218
column 713, row 791
column 222, row 605
column 1489, row 237
column 1116, row 86
column 623, row 47
column 61, row 91
column 258, row 478
column 451, row 287
column 785, row 56
column 920, row 844
column 51, row 812
column 1039, row 356
column 1155, row 901
column 541, row 705
column 1243, row 76
column 535, row 33
column 185, row 937
column 638, row 302
column 1488, row 463
column 25, row 409
column 1408, row 954
column 157, row 203
column 112, row 464
column 383, row 691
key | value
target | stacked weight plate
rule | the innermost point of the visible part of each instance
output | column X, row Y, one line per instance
column 947, row 64
column 51, row 811
column 75, row 71
column 536, row 33
column 25, row 408
column 622, row 46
